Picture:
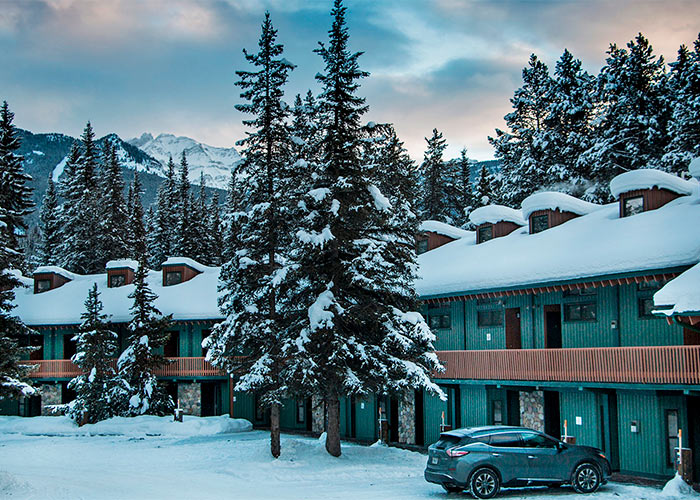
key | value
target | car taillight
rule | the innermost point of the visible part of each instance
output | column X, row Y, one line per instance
column 456, row 452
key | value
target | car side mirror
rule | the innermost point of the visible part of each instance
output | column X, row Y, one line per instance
column 561, row 446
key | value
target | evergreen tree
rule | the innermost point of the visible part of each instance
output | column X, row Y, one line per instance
column 349, row 335
column 568, row 125
column 462, row 198
column 306, row 129
column 81, row 214
column 436, row 185
column 631, row 129
column 520, row 150
column 96, row 345
column 147, row 330
column 484, row 192
column 161, row 240
column 15, row 195
column 256, row 274
column 683, row 95
column 49, row 221
column 200, row 225
column 113, row 235
column 185, row 244
column 234, row 208
column 137, row 230
column 214, row 229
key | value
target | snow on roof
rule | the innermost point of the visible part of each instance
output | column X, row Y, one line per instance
column 496, row 213
column 694, row 167
column 598, row 244
column 647, row 178
column 196, row 298
column 680, row 295
column 179, row 261
column 122, row 263
column 551, row 200
column 55, row 270
column 438, row 227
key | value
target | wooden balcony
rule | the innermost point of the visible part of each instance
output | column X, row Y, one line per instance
column 664, row 365
column 179, row 367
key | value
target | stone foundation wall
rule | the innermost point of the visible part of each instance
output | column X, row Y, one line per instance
column 50, row 395
column 407, row 419
column 532, row 410
column 190, row 398
column 318, row 421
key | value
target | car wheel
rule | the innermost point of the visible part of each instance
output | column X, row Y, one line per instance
column 484, row 483
column 452, row 489
column 586, row 478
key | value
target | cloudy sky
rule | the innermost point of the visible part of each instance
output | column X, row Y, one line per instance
column 132, row 66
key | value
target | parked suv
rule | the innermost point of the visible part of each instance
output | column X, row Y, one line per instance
column 482, row 459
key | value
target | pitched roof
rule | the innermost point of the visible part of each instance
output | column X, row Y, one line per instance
column 680, row 295
column 438, row 227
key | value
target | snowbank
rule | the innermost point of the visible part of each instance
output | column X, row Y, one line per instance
column 677, row 488
column 496, row 213
column 646, row 178
column 694, row 167
column 435, row 226
column 146, row 425
column 552, row 200
column 680, row 295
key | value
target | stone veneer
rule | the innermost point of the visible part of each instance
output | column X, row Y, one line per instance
column 407, row 418
column 50, row 395
column 318, row 420
column 189, row 396
column 532, row 410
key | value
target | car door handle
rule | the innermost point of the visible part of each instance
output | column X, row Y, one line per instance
column 531, row 456
column 495, row 454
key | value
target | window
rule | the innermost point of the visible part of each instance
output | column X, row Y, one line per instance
column 646, row 306
column 533, row 440
column 497, row 412
column 447, row 441
column 509, row 440
column 301, row 411
column 540, row 223
column 490, row 318
column 485, row 233
column 633, row 206
column 585, row 311
column 43, row 286
column 439, row 321
column 580, row 292
column 672, row 435
column 422, row 246
column 116, row 280
column 173, row 278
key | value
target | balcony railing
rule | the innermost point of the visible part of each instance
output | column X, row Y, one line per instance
column 179, row 367
column 627, row 365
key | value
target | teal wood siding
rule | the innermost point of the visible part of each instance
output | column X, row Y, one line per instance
column 244, row 406
column 640, row 331
column 53, row 342
column 598, row 333
column 345, row 417
column 582, row 404
column 473, row 405
column 288, row 416
column 539, row 301
column 449, row 339
column 484, row 337
column 366, row 417
column 645, row 452
column 433, row 407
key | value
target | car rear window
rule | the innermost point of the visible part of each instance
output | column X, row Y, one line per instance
column 447, row 441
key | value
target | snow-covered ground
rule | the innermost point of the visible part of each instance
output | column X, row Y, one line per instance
column 137, row 465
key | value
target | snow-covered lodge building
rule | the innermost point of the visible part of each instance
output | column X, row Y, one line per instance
column 563, row 315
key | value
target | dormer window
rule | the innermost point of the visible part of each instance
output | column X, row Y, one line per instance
column 485, row 233
column 173, row 278
column 633, row 206
column 43, row 286
column 117, row 280
column 540, row 223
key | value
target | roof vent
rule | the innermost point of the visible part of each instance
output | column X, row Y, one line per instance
column 549, row 209
column 647, row 189
column 177, row 270
column 49, row 277
column 121, row 272
column 494, row 221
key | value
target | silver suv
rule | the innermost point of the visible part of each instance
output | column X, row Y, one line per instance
column 482, row 459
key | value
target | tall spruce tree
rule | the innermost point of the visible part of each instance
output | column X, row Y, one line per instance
column 350, row 338
column 484, row 191
column 49, row 224
column 147, row 331
column 436, row 183
column 520, row 150
column 81, row 214
column 216, row 235
column 113, row 236
column 256, row 274
column 184, row 244
column 462, row 197
column 200, row 224
column 631, row 129
column 96, row 388
column 137, row 229
column 161, row 240
column 15, row 194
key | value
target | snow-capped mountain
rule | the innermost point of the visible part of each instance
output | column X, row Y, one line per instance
column 215, row 163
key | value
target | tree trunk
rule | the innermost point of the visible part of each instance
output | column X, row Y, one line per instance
column 333, row 426
column 275, row 430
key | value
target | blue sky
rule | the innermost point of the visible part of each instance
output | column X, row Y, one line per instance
column 133, row 66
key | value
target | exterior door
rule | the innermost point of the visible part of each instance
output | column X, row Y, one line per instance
column 513, row 338
column 552, row 327
column 691, row 337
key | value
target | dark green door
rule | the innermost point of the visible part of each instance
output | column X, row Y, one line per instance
column 608, row 428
